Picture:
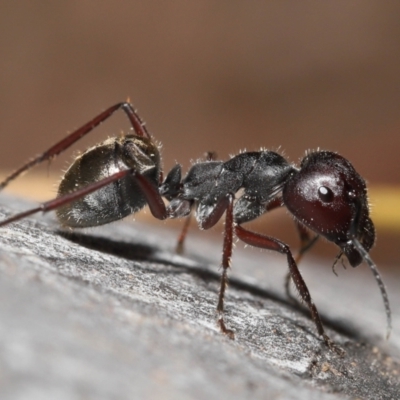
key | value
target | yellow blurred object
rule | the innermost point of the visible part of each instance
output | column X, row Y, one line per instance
column 385, row 206
column 34, row 185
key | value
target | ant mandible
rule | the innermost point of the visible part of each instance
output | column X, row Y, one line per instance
column 121, row 175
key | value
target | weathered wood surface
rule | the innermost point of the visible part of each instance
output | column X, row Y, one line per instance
column 114, row 313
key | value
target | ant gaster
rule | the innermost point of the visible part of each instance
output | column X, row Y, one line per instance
column 121, row 175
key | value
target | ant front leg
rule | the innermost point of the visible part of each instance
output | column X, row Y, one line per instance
column 306, row 242
column 73, row 137
column 270, row 243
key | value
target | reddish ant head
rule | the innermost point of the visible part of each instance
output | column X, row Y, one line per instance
column 328, row 196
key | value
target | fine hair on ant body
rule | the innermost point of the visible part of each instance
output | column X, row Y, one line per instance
column 118, row 177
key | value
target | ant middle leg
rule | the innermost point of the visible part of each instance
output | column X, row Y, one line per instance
column 270, row 243
column 73, row 137
column 226, row 263
column 208, row 216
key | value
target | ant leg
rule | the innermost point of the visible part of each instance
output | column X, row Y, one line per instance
column 304, row 238
column 211, row 216
column 183, row 234
column 306, row 242
column 270, row 243
column 153, row 198
column 179, row 249
column 68, row 198
column 226, row 263
column 63, row 144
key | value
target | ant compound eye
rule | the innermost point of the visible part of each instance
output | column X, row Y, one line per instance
column 325, row 194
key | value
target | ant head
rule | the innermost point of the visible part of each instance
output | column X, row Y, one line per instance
column 328, row 196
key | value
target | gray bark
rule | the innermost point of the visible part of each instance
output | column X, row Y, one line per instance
column 113, row 312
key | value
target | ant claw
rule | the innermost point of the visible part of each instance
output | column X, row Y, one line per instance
column 228, row 332
column 333, row 346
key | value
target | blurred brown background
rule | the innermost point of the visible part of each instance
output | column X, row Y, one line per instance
column 210, row 75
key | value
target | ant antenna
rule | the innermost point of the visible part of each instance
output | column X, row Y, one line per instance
column 378, row 278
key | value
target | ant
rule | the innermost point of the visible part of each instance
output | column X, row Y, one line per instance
column 119, row 176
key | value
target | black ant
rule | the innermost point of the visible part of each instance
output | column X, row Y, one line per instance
column 121, row 175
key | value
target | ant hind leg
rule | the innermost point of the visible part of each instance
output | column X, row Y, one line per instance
column 153, row 198
column 73, row 137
